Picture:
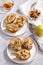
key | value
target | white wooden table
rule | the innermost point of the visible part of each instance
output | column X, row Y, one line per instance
column 4, row 40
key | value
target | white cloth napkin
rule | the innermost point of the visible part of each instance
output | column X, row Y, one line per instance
column 24, row 8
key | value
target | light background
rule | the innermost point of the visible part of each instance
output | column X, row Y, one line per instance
column 4, row 39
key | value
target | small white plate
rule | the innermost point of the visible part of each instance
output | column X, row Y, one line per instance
column 33, row 52
column 19, row 32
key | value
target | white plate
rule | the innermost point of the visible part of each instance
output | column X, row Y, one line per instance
column 39, row 41
column 33, row 52
column 19, row 32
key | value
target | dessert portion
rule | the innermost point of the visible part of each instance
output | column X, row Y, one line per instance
column 34, row 13
column 14, row 22
column 21, row 20
column 21, row 47
column 10, row 18
column 8, row 5
column 23, row 54
column 12, row 27
column 27, row 43
column 15, row 44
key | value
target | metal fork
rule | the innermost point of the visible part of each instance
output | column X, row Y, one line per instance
column 33, row 5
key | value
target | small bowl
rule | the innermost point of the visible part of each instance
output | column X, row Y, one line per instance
column 2, row 8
